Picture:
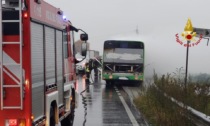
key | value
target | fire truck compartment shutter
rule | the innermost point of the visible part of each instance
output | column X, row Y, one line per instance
column 37, row 59
column 50, row 55
column 59, row 66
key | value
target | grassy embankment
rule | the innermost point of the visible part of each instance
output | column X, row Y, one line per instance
column 161, row 111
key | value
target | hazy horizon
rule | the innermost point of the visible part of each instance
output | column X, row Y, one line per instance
column 158, row 22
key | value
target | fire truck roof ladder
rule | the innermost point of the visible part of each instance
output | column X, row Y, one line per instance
column 5, row 66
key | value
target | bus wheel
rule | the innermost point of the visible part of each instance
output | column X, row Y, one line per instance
column 139, row 83
column 109, row 82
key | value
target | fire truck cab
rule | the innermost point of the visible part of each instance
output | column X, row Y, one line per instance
column 37, row 64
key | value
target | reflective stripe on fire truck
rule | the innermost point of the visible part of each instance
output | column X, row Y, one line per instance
column 12, row 66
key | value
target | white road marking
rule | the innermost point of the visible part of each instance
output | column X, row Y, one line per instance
column 130, row 115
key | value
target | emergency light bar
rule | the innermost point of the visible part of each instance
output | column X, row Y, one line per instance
column 64, row 17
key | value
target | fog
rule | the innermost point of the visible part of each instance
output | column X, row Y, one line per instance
column 157, row 22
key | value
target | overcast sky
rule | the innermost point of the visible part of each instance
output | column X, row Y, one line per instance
column 158, row 21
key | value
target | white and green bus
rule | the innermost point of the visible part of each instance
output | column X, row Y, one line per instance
column 123, row 60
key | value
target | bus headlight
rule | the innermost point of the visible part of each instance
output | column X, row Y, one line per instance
column 136, row 77
column 110, row 76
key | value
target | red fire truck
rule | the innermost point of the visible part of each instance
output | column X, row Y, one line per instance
column 37, row 65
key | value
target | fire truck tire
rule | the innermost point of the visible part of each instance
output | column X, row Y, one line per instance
column 52, row 116
column 69, row 120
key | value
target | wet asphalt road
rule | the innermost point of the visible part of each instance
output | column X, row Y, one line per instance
column 106, row 105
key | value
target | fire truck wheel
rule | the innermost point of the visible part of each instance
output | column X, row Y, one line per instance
column 68, row 121
column 73, row 100
column 52, row 116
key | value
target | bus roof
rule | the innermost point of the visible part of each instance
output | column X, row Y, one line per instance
column 131, row 38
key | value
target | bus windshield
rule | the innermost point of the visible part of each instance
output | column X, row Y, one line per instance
column 123, row 52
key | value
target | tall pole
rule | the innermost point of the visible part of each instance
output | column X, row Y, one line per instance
column 188, row 34
column 185, row 83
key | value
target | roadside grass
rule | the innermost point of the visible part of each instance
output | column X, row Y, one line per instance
column 194, row 94
column 161, row 111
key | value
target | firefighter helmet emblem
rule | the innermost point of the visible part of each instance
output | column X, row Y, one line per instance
column 188, row 35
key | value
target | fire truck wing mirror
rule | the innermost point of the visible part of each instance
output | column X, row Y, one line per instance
column 84, row 49
column 72, row 28
column 84, row 37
